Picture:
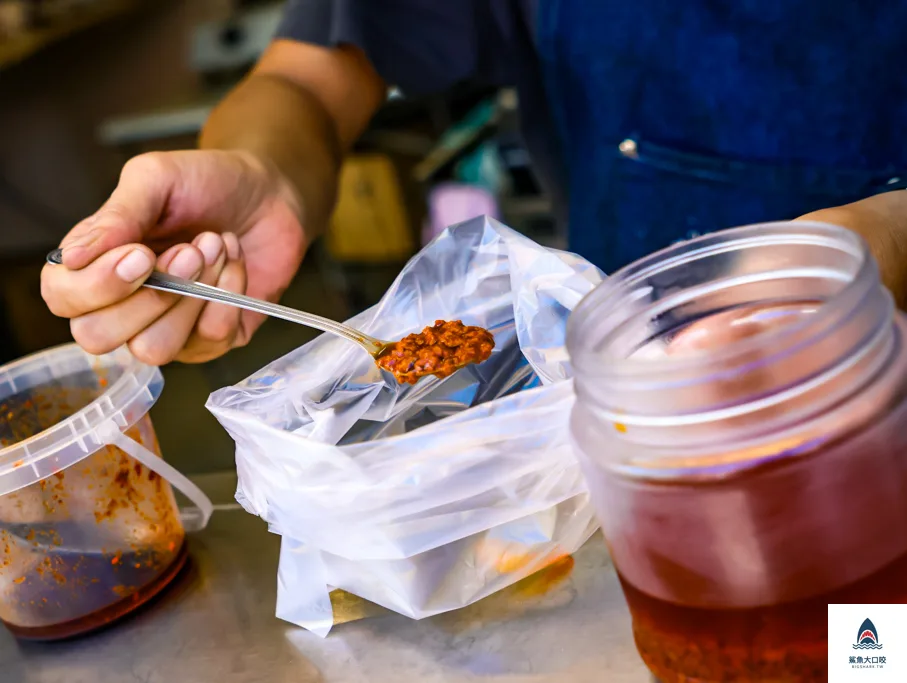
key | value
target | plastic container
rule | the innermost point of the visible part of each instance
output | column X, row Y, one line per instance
column 89, row 527
column 739, row 418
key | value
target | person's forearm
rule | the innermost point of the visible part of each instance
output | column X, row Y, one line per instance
column 280, row 122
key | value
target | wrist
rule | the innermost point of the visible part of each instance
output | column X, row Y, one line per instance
column 284, row 132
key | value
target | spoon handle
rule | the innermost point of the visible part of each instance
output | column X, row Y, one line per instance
column 170, row 283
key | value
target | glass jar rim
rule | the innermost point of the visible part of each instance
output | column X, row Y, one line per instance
column 619, row 287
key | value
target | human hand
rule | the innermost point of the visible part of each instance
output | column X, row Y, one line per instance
column 223, row 218
column 881, row 220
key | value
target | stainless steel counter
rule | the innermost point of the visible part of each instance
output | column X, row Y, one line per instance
column 216, row 624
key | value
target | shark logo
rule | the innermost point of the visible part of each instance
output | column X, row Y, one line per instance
column 867, row 637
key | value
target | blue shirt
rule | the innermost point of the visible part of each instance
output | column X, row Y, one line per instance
column 653, row 121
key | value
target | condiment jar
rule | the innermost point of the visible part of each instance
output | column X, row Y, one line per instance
column 739, row 417
column 89, row 526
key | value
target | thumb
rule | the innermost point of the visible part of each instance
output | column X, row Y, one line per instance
column 134, row 208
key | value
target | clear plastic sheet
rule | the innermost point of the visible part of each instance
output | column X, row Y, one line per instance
column 422, row 498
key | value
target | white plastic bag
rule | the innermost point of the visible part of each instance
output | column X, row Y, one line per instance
column 422, row 498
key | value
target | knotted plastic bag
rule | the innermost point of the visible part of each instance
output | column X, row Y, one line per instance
column 422, row 498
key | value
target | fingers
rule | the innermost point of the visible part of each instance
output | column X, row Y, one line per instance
column 161, row 341
column 217, row 330
column 108, row 328
column 162, row 199
column 111, row 278
column 104, row 259
column 160, row 327
column 133, row 209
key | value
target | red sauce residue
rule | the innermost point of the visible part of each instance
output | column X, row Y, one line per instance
column 122, row 478
column 440, row 350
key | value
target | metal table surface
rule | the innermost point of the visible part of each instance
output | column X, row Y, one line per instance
column 217, row 623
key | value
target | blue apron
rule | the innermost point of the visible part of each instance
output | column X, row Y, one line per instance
column 680, row 118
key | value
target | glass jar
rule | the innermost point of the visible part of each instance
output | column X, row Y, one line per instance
column 739, row 412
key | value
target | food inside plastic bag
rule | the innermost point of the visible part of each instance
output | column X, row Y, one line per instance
column 422, row 498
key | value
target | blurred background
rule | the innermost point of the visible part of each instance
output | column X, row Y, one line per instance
column 86, row 84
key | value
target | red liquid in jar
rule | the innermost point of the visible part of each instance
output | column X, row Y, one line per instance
column 98, row 569
column 817, row 522
column 787, row 642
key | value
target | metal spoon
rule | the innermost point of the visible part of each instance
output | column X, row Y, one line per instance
column 177, row 285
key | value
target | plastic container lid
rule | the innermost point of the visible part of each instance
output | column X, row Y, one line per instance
column 131, row 389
